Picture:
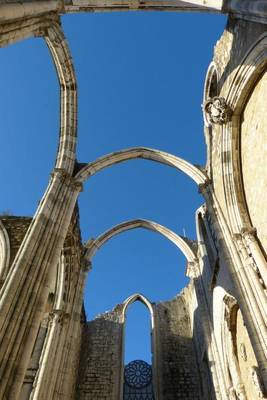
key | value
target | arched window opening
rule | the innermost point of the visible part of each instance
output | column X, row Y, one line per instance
column 138, row 380
column 137, row 333
column 210, row 88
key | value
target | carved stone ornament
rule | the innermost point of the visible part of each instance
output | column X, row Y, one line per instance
column 257, row 382
column 243, row 352
column 192, row 270
column 217, row 111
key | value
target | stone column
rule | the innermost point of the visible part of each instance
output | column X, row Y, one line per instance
column 25, row 290
column 211, row 345
column 64, row 370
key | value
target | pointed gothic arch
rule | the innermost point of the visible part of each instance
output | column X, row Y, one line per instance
column 182, row 243
column 144, row 300
column 138, row 297
column 194, row 172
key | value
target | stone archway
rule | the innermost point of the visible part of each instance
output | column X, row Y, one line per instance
column 194, row 172
column 147, row 388
column 185, row 245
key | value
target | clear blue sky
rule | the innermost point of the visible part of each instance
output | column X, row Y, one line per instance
column 140, row 82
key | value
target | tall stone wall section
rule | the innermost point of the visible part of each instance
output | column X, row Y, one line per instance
column 176, row 363
column 101, row 358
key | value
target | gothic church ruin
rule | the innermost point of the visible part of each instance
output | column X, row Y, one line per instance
column 210, row 341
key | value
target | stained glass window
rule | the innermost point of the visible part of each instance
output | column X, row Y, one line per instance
column 138, row 381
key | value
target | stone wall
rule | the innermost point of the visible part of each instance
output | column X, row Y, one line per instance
column 176, row 362
column 175, row 369
column 16, row 228
column 254, row 155
column 101, row 358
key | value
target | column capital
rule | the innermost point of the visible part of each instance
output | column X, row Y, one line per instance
column 192, row 269
column 59, row 316
column 203, row 187
column 86, row 265
column 249, row 233
column 67, row 179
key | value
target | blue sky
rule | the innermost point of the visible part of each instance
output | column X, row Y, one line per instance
column 140, row 83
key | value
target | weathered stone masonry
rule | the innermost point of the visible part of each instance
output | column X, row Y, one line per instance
column 175, row 372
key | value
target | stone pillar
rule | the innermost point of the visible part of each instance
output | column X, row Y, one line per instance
column 25, row 290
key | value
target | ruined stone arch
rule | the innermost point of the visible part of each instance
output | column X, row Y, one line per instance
column 60, row 53
column 50, row 30
column 130, row 300
column 187, row 249
column 138, row 297
column 194, row 172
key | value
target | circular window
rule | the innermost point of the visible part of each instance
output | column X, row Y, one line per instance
column 138, row 374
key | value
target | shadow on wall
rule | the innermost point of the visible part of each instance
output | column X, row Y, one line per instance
column 238, row 36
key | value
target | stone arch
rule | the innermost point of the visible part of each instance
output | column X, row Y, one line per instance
column 138, row 297
column 162, row 157
column 210, row 88
column 240, row 88
column 130, row 300
column 49, row 28
column 61, row 56
column 182, row 243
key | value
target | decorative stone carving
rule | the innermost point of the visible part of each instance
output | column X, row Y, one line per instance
column 192, row 270
column 243, row 352
column 230, row 303
column 66, row 178
column 217, row 111
column 58, row 316
column 257, row 382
